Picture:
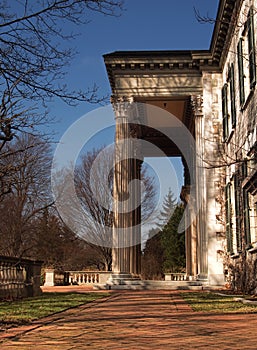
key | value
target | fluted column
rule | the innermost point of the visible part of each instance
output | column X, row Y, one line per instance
column 190, row 234
column 123, row 168
column 135, row 262
column 202, row 239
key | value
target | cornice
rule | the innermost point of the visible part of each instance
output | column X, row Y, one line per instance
column 186, row 61
column 225, row 25
column 158, row 60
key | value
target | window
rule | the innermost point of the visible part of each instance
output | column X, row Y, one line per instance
column 229, row 103
column 251, row 48
column 237, row 190
column 246, row 218
column 255, row 220
column 246, row 59
column 241, row 71
column 225, row 110
column 228, row 218
column 231, row 77
column 246, row 208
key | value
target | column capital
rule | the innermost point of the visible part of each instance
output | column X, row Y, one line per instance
column 197, row 105
column 121, row 105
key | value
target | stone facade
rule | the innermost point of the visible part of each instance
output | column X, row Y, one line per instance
column 213, row 93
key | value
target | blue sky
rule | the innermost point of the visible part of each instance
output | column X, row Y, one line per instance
column 144, row 25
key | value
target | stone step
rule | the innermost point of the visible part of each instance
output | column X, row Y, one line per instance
column 138, row 284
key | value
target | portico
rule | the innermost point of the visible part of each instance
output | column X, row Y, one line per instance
column 167, row 82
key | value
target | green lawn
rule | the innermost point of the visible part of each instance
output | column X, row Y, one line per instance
column 211, row 302
column 27, row 310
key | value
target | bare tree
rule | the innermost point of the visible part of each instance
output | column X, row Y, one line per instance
column 28, row 179
column 92, row 185
column 57, row 246
column 32, row 51
column 34, row 58
column 93, row 218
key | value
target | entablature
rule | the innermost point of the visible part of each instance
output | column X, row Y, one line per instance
column 157, row 62
column 180, row 62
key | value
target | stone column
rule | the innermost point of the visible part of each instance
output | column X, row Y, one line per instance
column 135, row 262
column 123, row 169
column 190, row 235
column 202, row 244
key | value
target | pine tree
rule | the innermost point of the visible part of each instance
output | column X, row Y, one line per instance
column 152, row 259
column 168, row 207
column 173, row 243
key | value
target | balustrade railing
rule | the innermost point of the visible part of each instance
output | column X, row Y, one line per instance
column 19, row 277
column 86, row 277
column 55, row 278
column 175, row 276
column 83, row 277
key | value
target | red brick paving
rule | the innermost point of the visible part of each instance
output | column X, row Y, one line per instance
column 138, row 320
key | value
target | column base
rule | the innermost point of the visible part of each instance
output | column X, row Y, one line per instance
column 202, row 277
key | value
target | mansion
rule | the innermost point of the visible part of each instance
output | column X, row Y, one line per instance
column 213, row 94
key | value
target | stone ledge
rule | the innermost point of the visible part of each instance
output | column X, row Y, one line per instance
column 137, row 284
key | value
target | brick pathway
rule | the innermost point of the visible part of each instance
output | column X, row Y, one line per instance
column 138, row 320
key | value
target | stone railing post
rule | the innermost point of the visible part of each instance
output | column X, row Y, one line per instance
column 49, row 278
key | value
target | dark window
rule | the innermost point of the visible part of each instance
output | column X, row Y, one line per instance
column 241, row 71
column 246, row 208
column 228, row 218
column 225, row 110
column 237, row 190
column 232, row 95
column 251, row 48
column 247, row 218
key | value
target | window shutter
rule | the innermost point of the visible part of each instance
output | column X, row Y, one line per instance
column 246, row 209
column 251, row 48
column 237, row 190
column 241, row 71
column 232, row 95
column 246, row 218
column 225, row 110
column 244, row 169
column 228, row 218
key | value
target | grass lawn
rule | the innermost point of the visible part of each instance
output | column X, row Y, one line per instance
column 211, row 302
column 27, row 310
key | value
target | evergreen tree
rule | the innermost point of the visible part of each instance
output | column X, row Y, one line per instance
column 152, row 259
column 173, row 243
column 168, row 206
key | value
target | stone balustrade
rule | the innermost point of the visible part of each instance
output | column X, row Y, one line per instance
column 83, row 277
column 76, row 277
column 87, row 277
column 19, row 278
column 175, row 276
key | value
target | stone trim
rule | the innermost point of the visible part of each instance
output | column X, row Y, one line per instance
column 224, row 26
column 197, row 105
